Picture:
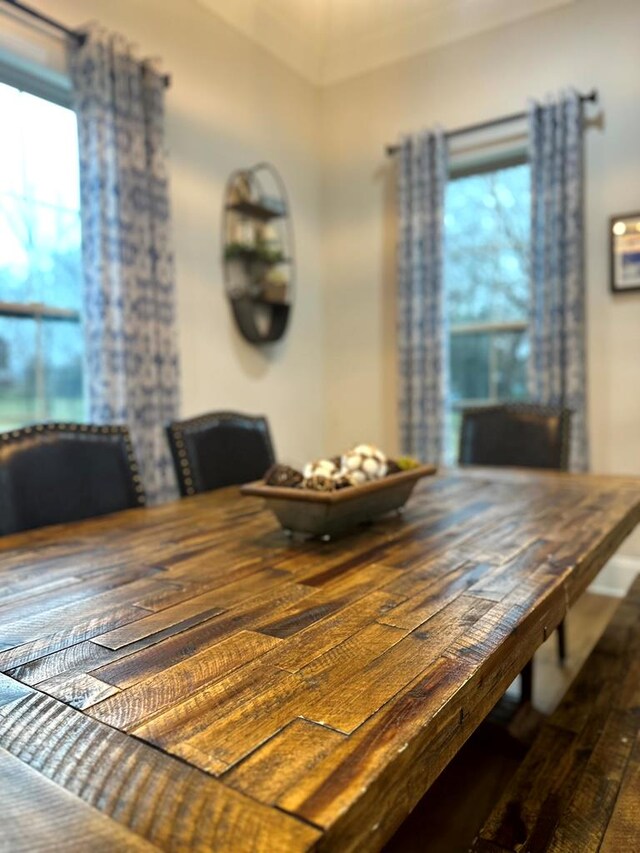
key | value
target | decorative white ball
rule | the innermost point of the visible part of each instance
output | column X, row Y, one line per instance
column 365, row 462
column 321, row 467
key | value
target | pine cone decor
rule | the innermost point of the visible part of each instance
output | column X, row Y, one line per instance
column 344, row 481
column 284, row 476
column 320, row 483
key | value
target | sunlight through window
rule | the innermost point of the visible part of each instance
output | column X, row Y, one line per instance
column 40, row 263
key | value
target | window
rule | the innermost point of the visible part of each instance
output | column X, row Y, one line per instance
column 487, row 238
column 40, row 266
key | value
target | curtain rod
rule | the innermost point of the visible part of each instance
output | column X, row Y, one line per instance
column 78, row 37
column 591, row 97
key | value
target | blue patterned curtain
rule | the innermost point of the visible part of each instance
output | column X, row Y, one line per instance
column 558, row 357
column 422, row 321
column 129, row 313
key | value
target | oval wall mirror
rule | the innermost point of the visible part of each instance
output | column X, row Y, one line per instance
column 258, row 252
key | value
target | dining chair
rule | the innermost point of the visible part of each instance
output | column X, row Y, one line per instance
column 55, row 473
column 525, row 435
column 219, row 449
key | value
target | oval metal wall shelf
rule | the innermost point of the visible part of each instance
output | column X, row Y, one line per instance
column 258, row 252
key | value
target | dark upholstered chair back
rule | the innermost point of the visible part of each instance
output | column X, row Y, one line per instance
column 219, row 449
column 523, row 435
column 57, row 473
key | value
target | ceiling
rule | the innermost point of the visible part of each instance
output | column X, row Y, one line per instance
column 330, row 40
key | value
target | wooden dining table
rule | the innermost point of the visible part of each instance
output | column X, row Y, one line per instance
column 186, row 677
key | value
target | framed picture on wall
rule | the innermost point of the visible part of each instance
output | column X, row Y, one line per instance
column 624, row 234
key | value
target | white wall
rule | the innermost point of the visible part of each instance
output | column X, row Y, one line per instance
column 230, row 105
column 332, row 381
column 586, row 44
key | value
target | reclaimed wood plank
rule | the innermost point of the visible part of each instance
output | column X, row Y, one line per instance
column 69, row 588
column 394, row 754
column 623, row 831
column 231, row 735
column 37, row 811
column 11, row 690
column 505, row 577
column 434, row 591
column 81, row 657
column 167, row 803
column 156, row 657
column 78, row 690
column 186, row 719
column 347, row 705
column 587, row 812
column 227, row 646
column 199, row 608
column 274, row 768
column 158, row 625
column 88, row 629
column 21, row 631
column 312, row 642
column 577, row 789
column 130, row 708
column 336, row 595
column 358, row 790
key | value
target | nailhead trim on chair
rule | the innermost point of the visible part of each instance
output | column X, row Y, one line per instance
column 90, row 429
column 179, row 429
column 185, row 464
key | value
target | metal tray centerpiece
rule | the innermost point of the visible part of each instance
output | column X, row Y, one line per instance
column 332, row 496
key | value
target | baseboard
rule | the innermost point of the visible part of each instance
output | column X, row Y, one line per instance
column 617, row 576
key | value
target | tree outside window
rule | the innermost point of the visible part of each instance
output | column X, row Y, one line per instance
column 486, row 273
column 41, row 347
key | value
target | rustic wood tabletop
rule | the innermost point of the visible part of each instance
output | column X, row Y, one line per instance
column 187, row 678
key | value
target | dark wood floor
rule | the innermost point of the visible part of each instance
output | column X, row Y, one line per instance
column 447, row 818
